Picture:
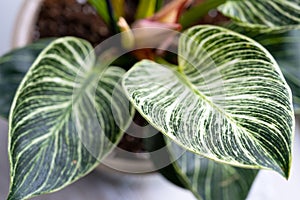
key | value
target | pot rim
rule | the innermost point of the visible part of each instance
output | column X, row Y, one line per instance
column 24, row 24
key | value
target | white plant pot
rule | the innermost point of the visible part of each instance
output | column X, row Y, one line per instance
column 25, row 22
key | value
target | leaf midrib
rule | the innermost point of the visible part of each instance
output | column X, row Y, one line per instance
column 68, row 109
column 53, row 133
column 90, row 78
column 183, row 78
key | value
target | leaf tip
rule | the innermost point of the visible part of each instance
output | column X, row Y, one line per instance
column 286, row 171
column 14, row 193
column 14, row 196
column 283, row 169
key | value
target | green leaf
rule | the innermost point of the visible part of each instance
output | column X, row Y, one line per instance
column 101, row 7
column 159, row 4
column 197, row 12
column 64, row 119
column 110, row 11
column 13, row 67
column 204, row 177
column 227, row 100
column 285, row 48
column 265, row 15
column 161, row 158
column 119, row 8
column 208, row 179
column 146, row 8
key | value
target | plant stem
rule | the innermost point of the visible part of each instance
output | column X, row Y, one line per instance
column 111, row 17
column 162, row 61
column 146, row 8
column 197, row 12
column 119, row 8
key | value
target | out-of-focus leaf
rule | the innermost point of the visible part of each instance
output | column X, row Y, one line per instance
column 102, row 9
column 146, row 8
column 264, row 15
column 210, row 180
column 13, row 67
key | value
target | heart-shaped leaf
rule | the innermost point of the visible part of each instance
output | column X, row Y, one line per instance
column 264, row 14
column 227, row 100
column 62, row 118
column 13, row 67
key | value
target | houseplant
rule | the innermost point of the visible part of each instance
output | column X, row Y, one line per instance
column 240, row 92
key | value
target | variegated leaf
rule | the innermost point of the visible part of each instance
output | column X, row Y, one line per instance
column 205, row 178
column 264, row 14
column 227, row 100
column 285, row 48
column 209, row 180
column 161, row 158
column 13, row 67
column 62, row 119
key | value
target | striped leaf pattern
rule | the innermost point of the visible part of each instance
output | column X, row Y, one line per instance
column 264, row 14
column 285, row 48
column 62, row 119
column 13, row 67
column 205, row 178
column 209, row 180
column 227, row 100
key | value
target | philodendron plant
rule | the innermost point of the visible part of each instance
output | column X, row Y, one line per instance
column 226, row 102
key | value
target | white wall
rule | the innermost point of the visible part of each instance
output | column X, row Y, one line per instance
column 8, row 14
